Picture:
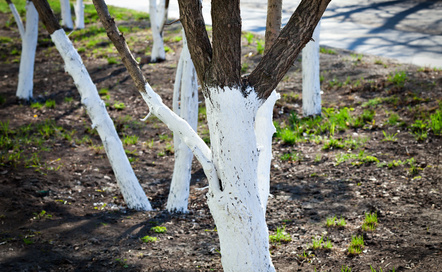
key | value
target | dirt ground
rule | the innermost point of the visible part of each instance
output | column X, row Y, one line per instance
column 60, row 210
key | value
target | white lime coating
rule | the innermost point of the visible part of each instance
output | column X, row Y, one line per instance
column 158, row 52
column 311, row 88
column 79, row 14
column 127, row 181
column 21, row 28
column 185, row 104
column 237, row 208
column 66, row 17
column 27, row 59
column 264, row 130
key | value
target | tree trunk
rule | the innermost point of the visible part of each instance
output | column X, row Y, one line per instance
column 237, row 208
column 131, row 190
column 185, row 104
column 158, row 53
column 27, row 59
column 66, row 17
column 79, row 14
column 311, row 85
column 273, row 22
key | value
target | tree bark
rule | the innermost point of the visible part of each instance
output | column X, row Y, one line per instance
column 130, row 188
column 273, row 22
column 66, row 17
column 311, row 87
column 27, row 59
column 185, row 104
column 293, row 37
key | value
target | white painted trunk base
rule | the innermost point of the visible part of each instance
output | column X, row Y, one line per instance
column 66, row 17
column 311, row 88
column 185, row 104
column 127, row 181
column 27, row 59
column 79, row 14
column 237, row 209
column 158, row 52
column 264, row 130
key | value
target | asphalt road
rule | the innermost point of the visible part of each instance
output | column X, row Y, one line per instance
column 409, row 31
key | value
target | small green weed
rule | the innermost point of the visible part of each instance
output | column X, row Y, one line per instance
column 398, row 78
column 356, row 245
column 158, row 229
column 244, row 67
column 122, row 262
column 50, row 104
column 345, row 269
column 380, row 269
column 249, row 37
column 328, row 51
column 42, row 215
column 119, row 106
column 436, row 122
column 280, row 236
column 389, row 137
column 130, row 139
column 393, row 119
column 370, row 222
column 112, row 60
column 292, row 157
column 36, row 105
column 103, row 91
column 148, row 239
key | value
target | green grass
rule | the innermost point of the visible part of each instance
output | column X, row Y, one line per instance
column 148, row 239
column 50, row 104
column 398, row 78
column 119, row 106
column 389, row 137
column 356, row 245
column 328, row 51
column 260, row 47
column 158, row 229
column 436, row 122
column 281, row 236
column 292, row 157
column 370, row 222
column 249, row 37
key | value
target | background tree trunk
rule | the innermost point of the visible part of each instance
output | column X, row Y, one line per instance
column 129, row 186
column 156, row 16
column 27, row 58
column 311, row 85
column 66, row 17
column 185, row 104
column 79, row 14
column 273, row 22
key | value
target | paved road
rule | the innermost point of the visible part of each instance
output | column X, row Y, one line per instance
column 407, row 30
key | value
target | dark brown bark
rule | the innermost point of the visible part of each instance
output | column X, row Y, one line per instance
column 200, row 49
column 46, row 15
column 225, row 69
column 120, row 44
column 273, row 22
column 293, row 37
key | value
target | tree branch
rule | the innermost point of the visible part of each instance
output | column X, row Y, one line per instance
column 191, row 18
column 175, row 123
column 273, row 22
column 47, row 15
column 226, row 63
column 293, row 37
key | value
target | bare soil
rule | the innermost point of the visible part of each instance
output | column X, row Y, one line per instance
column 86, row 226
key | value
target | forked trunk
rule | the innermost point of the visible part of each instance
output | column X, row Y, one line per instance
column 311, row 86
column 79, row 14
column 185, row 104
column 66, row 17
column 27, row 59
column 237, row 208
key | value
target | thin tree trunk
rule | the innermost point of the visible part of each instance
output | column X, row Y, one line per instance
column 311, row 87
column 79, row 14
column 127, row 181
column 27, row 59
column 17, row 18
column 185, row 104
column 66, row 17
column 273, row 22
column 158, row 52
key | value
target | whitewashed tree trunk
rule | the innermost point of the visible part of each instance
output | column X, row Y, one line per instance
column 130, row 188
column 27, row 59
column 264, row 130
column 311, row 87
column 79, row 14
column 185, row 104
column 158, row 52
column 18, row 20
column 237, row 209
column 66, row 17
